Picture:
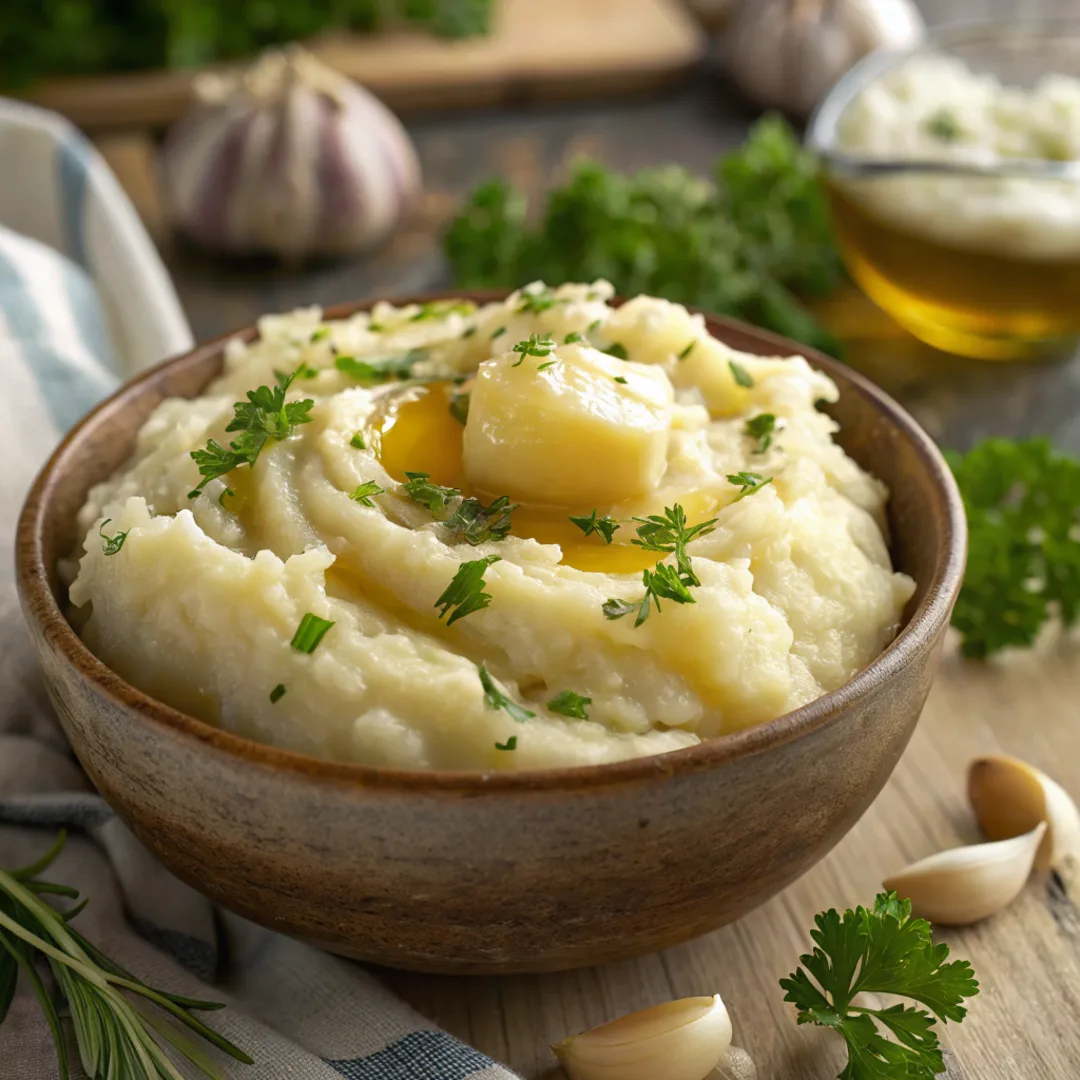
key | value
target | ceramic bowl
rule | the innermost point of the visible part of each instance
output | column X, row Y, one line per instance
column 471, row 872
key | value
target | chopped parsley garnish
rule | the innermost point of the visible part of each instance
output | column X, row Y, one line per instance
column 621, row 379
column 265, row 415
column 547, row 364
column 671, row 534
column 605, row 526
column 943, row 125
column 740, row 374
column 310, row 632
column 573, row 338
column 304, row 371
column 365, row 491
column 535, row 346
column 476, row 523
column 749, row 483
column 277, row 693
column 112, row 544
column 221, row 498
column 381, row 368
column 617, row 350
column 536, row 302
column 375, row 328
column 436, row 309
column 570, row 704
column 510, row 744
column 688, row 350
column 498, row 333
column 465, row 593
column 594, row 326
column 881, row 951
column 469, row 331
column 320, row 335
column 665, row 581
column 358, row 442
column 459, row 406
column 1022, row 501
column 762, row 427
column 434, row 496
column 494, row 698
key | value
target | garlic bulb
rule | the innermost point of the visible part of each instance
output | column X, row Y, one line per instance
column 736, row 1064
column 1011, row 797
column 680, row 1040
column 966, row 884
column 287, row 157
column 789, row 53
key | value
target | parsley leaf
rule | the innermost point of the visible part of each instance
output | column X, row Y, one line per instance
column 944, row 126
column 437, row 309
column 465, row 593
column 459, row 406
column 604, row 526
column 319, row 335
column 670, row 533
column 883, row 950
column 265, row 415
column 498, row 333
column 687, row 350
column 304, row 371
column 761, row 427
column 536, row 302
column 741, row 376
column 749, row 483
column 277, row 693
column 357, row 442
column 310, row 632
column 494, row 698
column 616, row 609
column 510, row 744
column 665, row 581
column 380, row 369
column 573, row 338
column 476, row 523
column 1022, row 501
column 617, row 350
column 434, row 496
column 570, row 704
column 365, row 491
column 112, row 543
column 535, row 346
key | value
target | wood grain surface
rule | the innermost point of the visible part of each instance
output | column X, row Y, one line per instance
column 1025, row 1025
column 538, row 49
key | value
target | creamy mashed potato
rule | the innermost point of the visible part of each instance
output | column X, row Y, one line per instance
column 934, row 107
column 786, row 592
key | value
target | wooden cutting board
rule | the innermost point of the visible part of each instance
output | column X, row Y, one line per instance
column 538, row 49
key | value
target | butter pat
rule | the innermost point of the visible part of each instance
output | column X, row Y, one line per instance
column 568, row 435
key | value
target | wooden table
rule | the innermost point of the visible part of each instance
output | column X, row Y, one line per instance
column 1025, row 1025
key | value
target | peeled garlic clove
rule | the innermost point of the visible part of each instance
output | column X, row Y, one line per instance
column 680, row 1040
column 736, row 1064
column 287, row 157
column 1011, row 797
column 966, row 884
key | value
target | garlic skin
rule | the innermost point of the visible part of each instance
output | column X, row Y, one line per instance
column 1010, row 797
column 679, row 1040
column 287, row 157
column 967, row 884
column 789, row 53
column 736, row 1064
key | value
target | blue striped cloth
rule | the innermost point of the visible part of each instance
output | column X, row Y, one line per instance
column 85, row 302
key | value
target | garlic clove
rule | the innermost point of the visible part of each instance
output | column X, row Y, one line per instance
column 679, row 1040
column 1010, row 797
column 736, row 1064
column 966, row 884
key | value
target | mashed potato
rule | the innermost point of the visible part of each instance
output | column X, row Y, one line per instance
column 538, row 654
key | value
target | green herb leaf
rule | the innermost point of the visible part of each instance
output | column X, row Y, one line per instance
column 434, row 496
column 594, row 326
column 469, row 331
column 604, row 526
column 749, row 483
column 365, row 491
column 382, row 368
column 535, row 346
column 304, row 371
column 741, row 376
column 309, row 633
column 617, row 350
column 688, row 350
column 498, row 333
column 670, row 533
column 358, row 442
column 439, row 309
column 1022, row 501
column 112, row 544
column 459, row 406
column 943, row 125
column 465, row 593
column 665, row 581
column 762, row 427
column 510, row 744
column 476, row 523
column 616, row 609
column 573, row 338
column 495, row 698
column 537, row 302
column 885, row 951
column 277, row 693
column 547, row 364
column 319, row 335
column 620, row 379
column 567, row 703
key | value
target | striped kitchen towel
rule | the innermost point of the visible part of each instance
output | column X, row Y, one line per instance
column 84, row 302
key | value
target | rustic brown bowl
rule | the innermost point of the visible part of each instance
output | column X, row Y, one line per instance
column 470, row 872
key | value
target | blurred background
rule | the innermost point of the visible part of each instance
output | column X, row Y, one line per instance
column 494, row 142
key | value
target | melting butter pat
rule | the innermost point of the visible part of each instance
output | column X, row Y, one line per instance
column 568, row 434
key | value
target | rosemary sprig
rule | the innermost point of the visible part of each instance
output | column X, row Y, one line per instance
column 117, row 1035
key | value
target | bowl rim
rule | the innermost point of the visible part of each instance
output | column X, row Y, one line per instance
column 932, row 614
column 823, row 125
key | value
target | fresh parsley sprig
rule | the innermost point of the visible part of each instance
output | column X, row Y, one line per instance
column 465, row 593
column 761, row 427
column 568, row 703
column 117, row 1033
column 748, row 483
column 496, row 698
column 435, row 497
column 365, row 492
column 265, row 415
column 535, row 346
column 470, row 520
column 670, row 533
column 602, row 526
column 883, row 951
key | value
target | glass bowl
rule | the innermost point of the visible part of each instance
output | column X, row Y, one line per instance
column 975, row 249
